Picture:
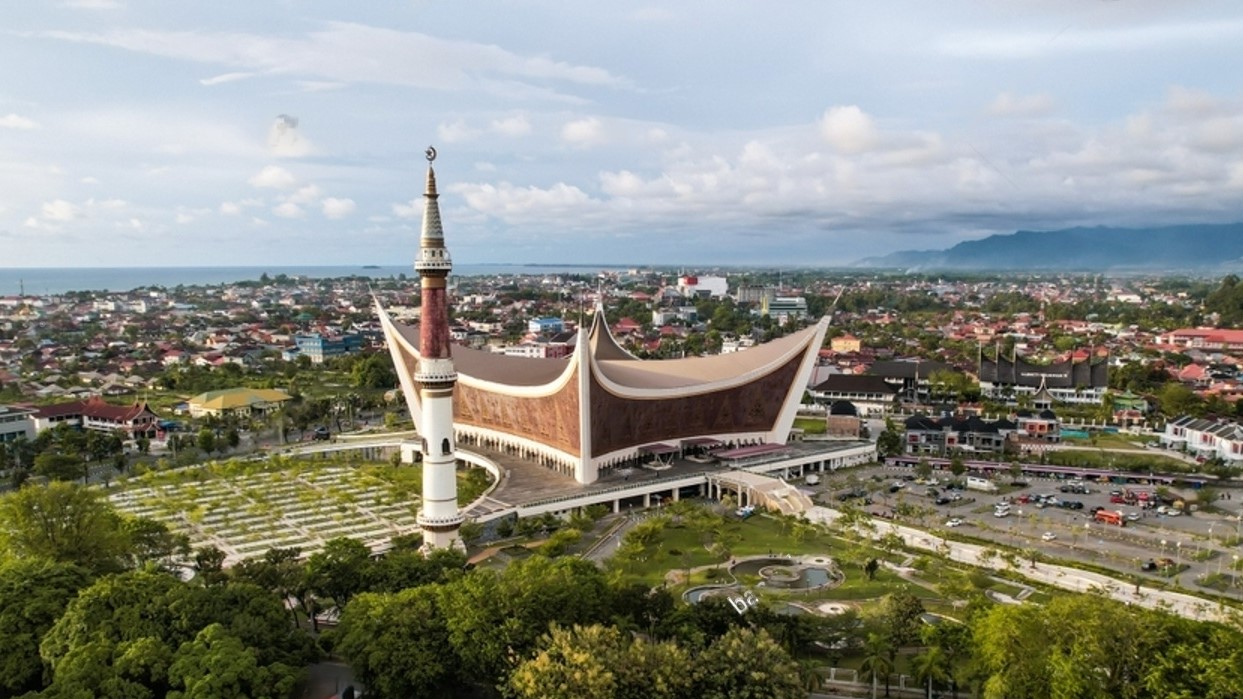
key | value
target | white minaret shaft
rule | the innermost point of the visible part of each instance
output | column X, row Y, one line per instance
column 436, row 377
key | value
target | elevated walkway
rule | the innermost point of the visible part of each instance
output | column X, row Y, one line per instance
column 759, row 490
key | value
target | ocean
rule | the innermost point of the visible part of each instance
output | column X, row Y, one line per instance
column 41, row 281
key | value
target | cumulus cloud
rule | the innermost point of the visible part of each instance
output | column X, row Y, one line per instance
column 228, row 208
column 59, row 210
column 456, row 132
column 516, row 125
column 848, row 129
column 14, row 121
column 93, row 4
column 583, row 132
column 288, row 210
column 337, row 208
column 410, row 209
column 1010, row 105
column 273, row 177
column 305, row 195
column 89, row 180
column 284, row 141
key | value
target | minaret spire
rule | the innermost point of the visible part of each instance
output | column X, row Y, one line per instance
column 436, row 377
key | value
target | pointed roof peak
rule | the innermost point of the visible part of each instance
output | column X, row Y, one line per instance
column 432, row 227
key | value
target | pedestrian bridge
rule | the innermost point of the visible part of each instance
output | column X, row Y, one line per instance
column 759, row 490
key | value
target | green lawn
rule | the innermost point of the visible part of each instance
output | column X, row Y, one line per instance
column 811, row 425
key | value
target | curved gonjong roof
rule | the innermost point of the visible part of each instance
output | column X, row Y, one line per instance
column 619, row 368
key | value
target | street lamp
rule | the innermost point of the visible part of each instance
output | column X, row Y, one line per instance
column 1234, row 572
column 1178, row 556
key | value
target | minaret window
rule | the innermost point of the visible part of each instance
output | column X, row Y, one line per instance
column 445, row 448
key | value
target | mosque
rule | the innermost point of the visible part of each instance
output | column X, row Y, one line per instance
column 598, row 409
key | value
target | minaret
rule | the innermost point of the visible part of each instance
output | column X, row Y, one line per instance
column 436, row 377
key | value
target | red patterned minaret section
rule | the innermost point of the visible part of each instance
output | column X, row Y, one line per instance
column 433, row 267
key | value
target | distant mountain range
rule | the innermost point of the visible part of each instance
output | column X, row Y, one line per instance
column 1170, row 248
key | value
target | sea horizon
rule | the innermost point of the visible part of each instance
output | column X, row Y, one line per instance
column 44, row 281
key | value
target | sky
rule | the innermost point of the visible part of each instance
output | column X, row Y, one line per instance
column 805, row 133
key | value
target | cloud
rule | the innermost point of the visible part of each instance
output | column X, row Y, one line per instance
column 356, row 53
column 288, row 210
column 338, row 208
column 183, row 218
column 1010, row 105
column 59, row 210
column 305, row 195
column 411, row 209
column 228, row 208
column 848, row 129
column 583, row 132
column 994, row 44
column 89, row 180
column 516, row 125
column 456, row 132
column 13, row 121
column 225, row 78
column 273, row 177
column 284, row 141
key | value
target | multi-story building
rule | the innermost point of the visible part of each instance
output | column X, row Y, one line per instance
column 320, row 347
column 16, row 423
column 947, row 435
column 545, row 326
column 1081, row 383
column 1205, row 438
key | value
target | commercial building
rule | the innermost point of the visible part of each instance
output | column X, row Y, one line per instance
column 246, row 401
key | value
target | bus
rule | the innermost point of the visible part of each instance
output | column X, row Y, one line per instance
column 1110, row 517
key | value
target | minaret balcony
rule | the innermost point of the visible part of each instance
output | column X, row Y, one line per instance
column 437, row 265
column 442, row 521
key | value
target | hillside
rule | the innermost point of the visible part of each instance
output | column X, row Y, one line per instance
column 1189, row 248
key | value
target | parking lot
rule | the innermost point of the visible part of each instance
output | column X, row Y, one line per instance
column 1199, row 542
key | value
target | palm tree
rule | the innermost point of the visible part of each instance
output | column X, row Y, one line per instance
column 876, row 662
column 931, row 666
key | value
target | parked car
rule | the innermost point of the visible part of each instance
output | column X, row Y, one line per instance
column 321, row 433
column 1048, row 536
column 954, row 522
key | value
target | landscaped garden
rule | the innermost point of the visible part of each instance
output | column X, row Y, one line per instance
column 245, row 508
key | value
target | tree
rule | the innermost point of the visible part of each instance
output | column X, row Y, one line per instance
column 63, row 522
column 206, row 440
column 151, row 541
column 746, row 664
column 398, row 644
column 930, row 667
column 217, row 665
column 33, row 595
column 231, row 438
column 598, row 661
column 496, row 618
column 209, row 564
column 876, row 662
column 339, row 570
column 59, row 467
column 957, row 467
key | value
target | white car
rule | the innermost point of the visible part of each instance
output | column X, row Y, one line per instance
column 1132, row 516
column 954, row 522
column 1048, row 536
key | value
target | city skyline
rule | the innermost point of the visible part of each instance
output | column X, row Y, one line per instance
column 139, row 134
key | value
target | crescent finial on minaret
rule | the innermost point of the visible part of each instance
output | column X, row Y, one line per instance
column 430, row 153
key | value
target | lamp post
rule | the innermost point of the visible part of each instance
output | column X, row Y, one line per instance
column 1178, row 556
column 1234, row 572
